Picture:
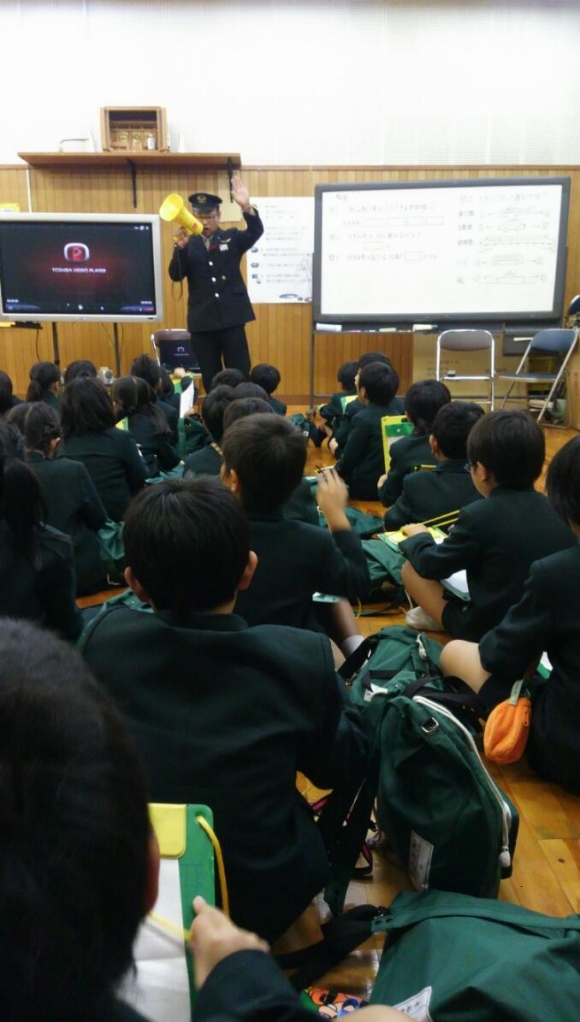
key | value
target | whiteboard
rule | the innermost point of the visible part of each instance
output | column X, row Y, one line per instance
column 491, row 249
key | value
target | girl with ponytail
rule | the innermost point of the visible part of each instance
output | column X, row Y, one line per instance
column 44, row 383
column 135, row 406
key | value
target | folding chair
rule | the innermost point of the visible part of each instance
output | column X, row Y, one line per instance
column 173, row 350
column 468, row 340
column 555, row 341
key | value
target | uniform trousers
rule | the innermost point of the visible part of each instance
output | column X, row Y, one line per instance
column 211, row 346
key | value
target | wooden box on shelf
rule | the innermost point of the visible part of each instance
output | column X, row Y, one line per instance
column 133, row 129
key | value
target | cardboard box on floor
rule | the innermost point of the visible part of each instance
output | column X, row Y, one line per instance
column 469, row 363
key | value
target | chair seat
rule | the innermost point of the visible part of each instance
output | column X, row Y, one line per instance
column 452, row 378
column 529, row 377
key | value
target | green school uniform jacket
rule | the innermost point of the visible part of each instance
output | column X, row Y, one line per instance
column 406, row 454
column 296, row 560
column 495, row 540
column 246, row 986
column 545, row 619
column 113, row 462
column 205, row 462
column 74, row 508
column 333, row 409
column 157, row 448
column 224, row 715
column 362, row 461
column 279, row 407
column 428, row 494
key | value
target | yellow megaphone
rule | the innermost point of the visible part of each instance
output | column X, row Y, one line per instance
column 173, row 208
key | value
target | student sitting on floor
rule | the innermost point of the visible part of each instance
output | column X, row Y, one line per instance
column 44, row 384
column 363, row 459
column 228, row 378
column 209, row 459
column 545, row 619
column 268, row 377
column 78, row 862
column 495, row 540
column 301, row 505
column 137, row 411
column 73, row 506
column 37, row 575
column 422, row 402
column 224, row 714
column 334, row 409
column 344, row 421
column 110, row 455
column 80, row 367
column 7, row 398
column 149, row 370
column 448, row 487
column 264, row 459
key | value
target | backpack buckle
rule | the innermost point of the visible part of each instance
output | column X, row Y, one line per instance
column 430, row 726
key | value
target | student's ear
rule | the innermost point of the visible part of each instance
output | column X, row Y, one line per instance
column 249, row 570
column 152, row 878
column 230, row 478
column 362, row 393
column 434, row 446
column 136, row 586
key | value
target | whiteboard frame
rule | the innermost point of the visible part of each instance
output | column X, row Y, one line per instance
column 435, row 320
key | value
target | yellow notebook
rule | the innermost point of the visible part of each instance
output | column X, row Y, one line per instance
column 393, row 539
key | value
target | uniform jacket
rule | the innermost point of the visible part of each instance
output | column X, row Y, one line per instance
column 75, row 508
column 362, row 461
column 45, row 592
column 406, row 454
column 296, row 560
column 448, row 487
column 156, row 448
column 545, row 619
column 279, row 407
column 225, row 715
column 217, row 294
column 205, row 462
column 246, row 986
column 495, row 540
column 113, row 462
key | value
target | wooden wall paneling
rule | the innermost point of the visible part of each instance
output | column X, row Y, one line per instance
column 281, row 334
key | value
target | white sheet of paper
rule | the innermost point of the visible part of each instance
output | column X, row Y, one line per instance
column 159, row 988
column 457, row 582
column 186, row 400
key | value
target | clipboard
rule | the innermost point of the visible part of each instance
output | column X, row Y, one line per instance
column 393, row 539
column 393, row 427
column 161, row 987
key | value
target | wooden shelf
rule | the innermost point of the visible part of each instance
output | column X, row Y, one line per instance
column 220, row 161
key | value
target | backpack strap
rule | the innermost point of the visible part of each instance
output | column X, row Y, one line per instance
column 341, row 935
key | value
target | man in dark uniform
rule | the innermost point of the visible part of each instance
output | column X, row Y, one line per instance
column 218, row 305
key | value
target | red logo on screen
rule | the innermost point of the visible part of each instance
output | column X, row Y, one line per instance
column 76, row 252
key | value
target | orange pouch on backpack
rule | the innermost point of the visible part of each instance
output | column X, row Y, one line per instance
column 508, row 727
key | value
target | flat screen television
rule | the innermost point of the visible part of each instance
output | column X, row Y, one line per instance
column 80, row 267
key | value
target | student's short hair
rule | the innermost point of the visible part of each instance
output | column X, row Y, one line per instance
column 268, row 454
column 41, row 427
column 244, row 406
column 148, row 369
column 6, row 394
column 563, row 481
column 266, row 376
column 346, row 374
column 42, row 376
column 251, row 390
column 187, row 542
column 511, row 445
column 80, row 367
column 380, row 382
column 422, row 402
column 227, row 378
column 85, row 407
column 213, row 408
column 373, row 356
column 452, row 426
column 75, row 832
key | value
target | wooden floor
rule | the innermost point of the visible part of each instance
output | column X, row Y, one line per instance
column 546, row 875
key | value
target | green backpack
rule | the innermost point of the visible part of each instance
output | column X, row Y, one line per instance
column 454, row 958
column 443, row 814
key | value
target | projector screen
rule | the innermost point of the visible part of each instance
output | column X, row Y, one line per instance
column 80, row 267
column 490, row 250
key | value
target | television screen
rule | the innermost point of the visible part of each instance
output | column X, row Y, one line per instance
column 80, row 267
